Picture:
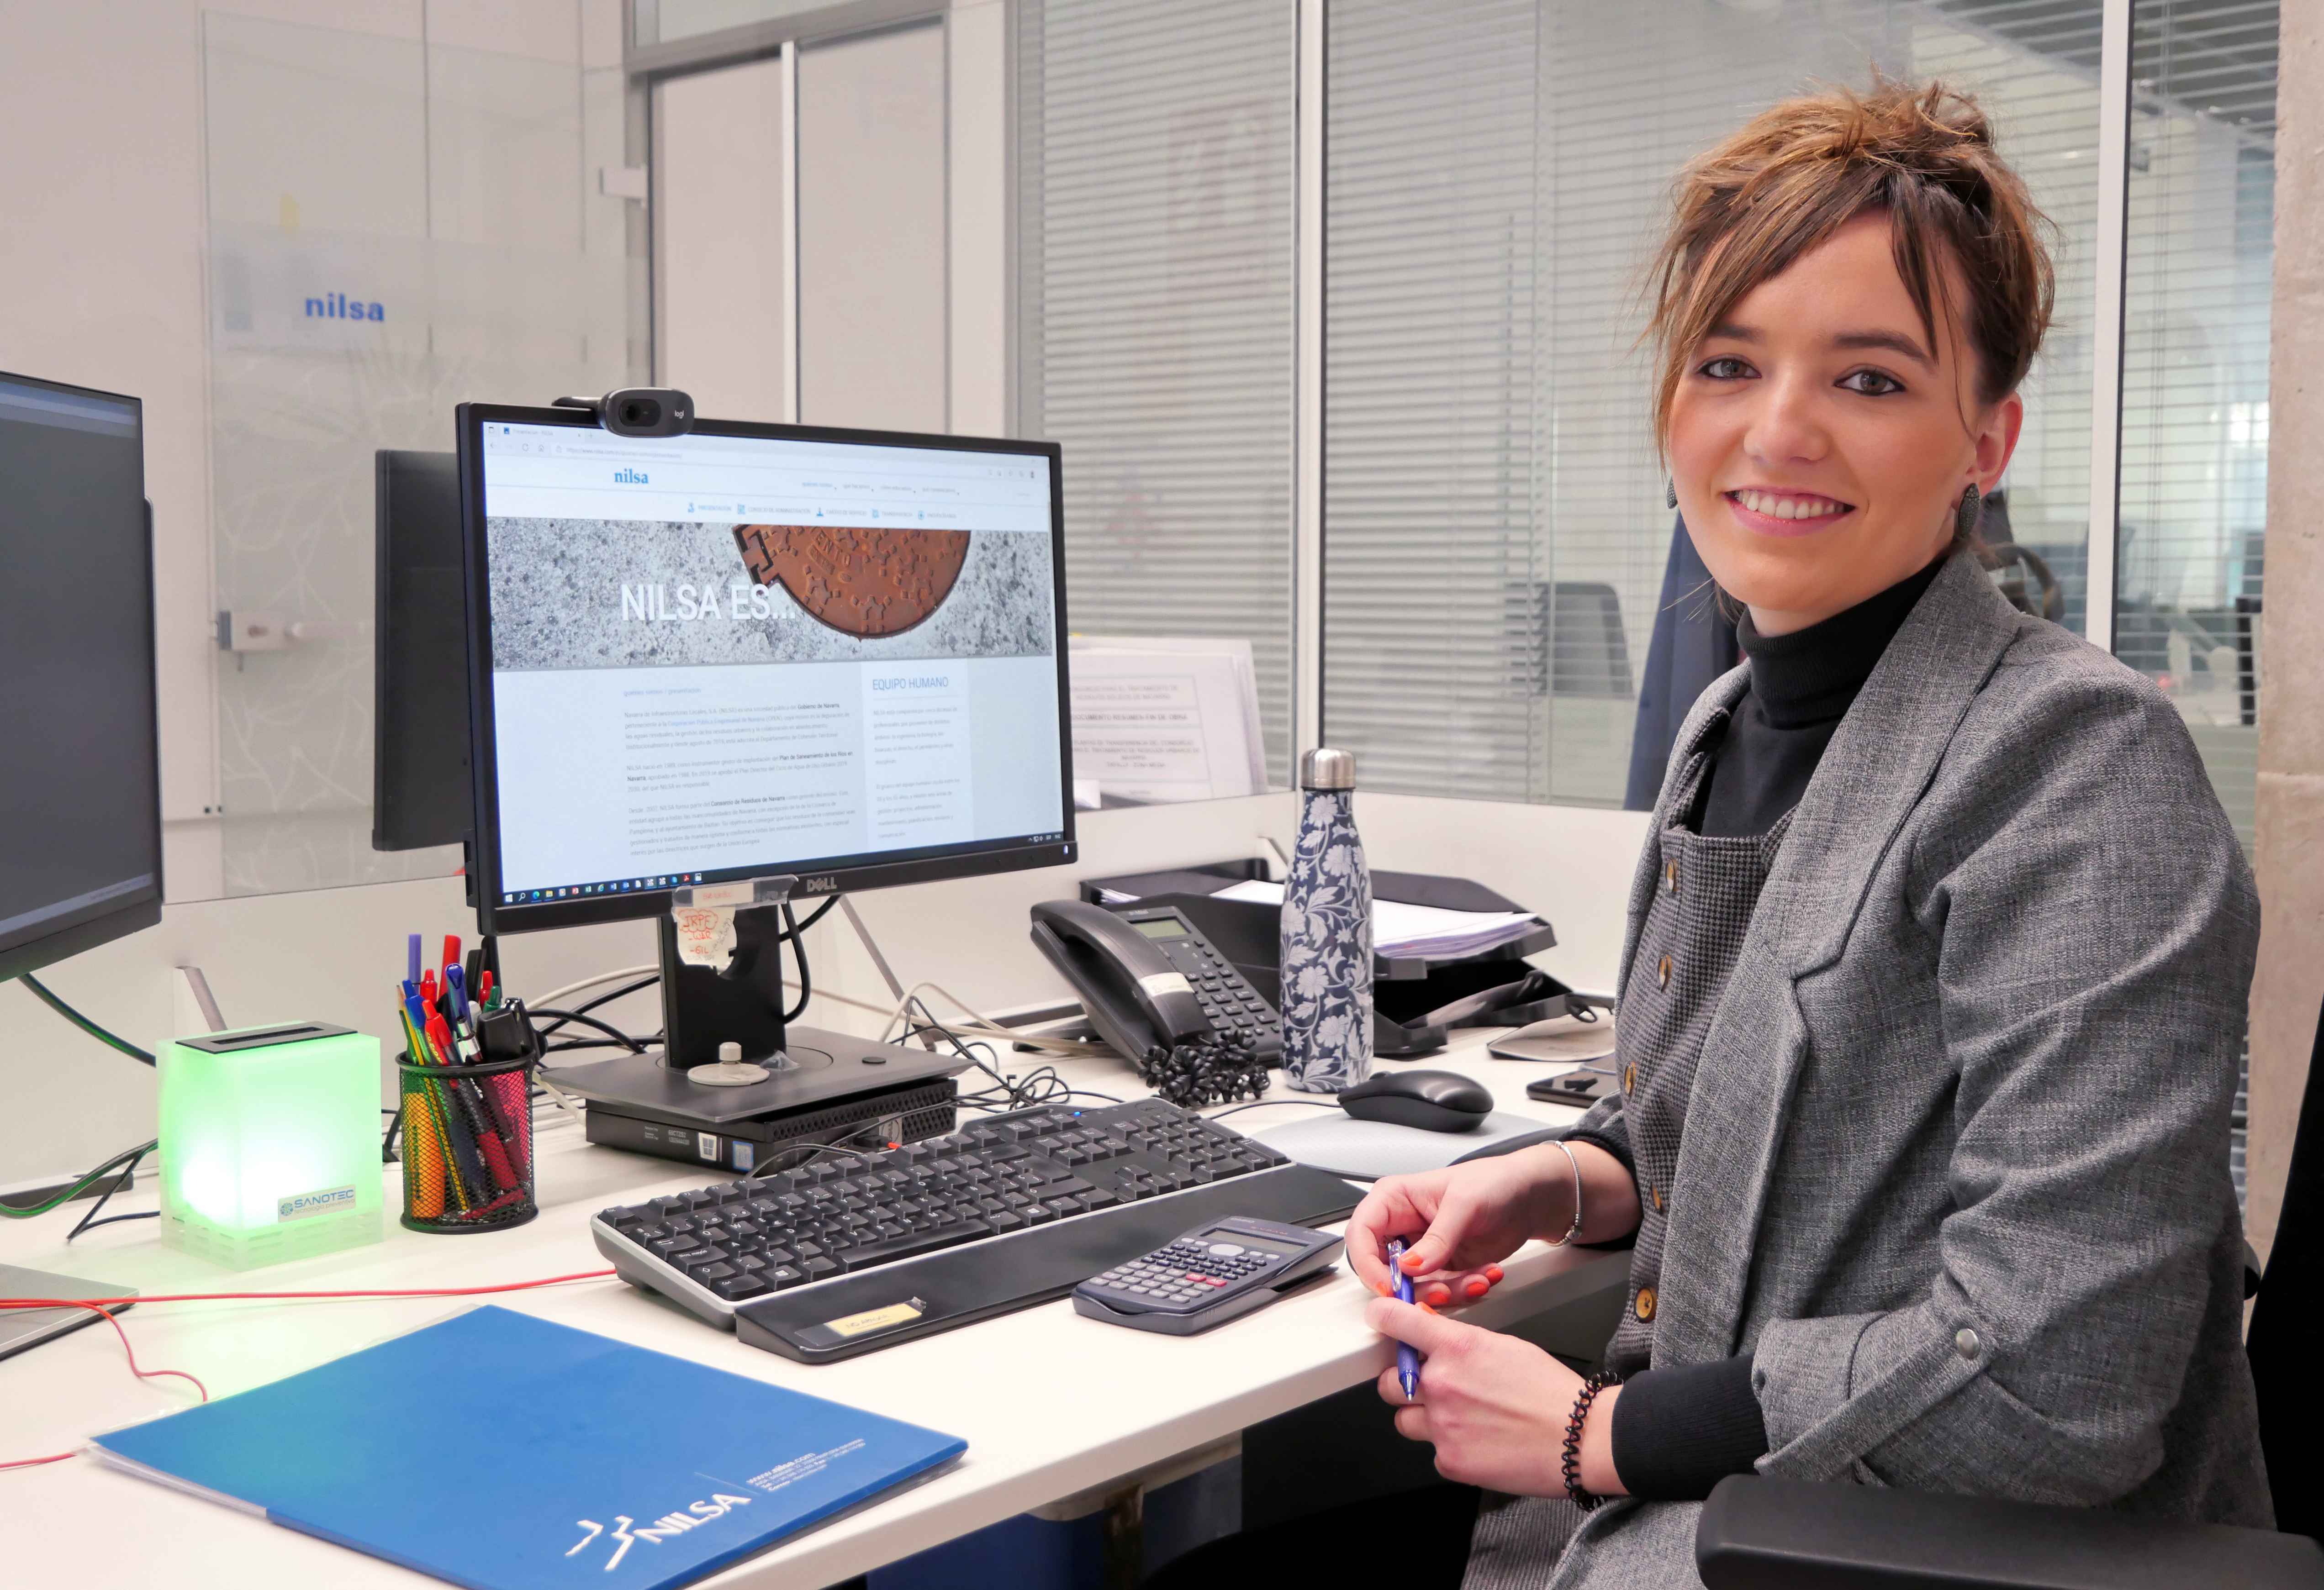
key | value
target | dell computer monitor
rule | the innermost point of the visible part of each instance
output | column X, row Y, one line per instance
column 756, row 650
column 80, row 805
column 422, row 793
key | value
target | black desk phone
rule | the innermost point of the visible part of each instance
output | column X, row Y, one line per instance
column 1218, row 1272
column 1150, row 980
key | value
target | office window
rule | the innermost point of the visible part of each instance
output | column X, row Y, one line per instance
column 1495, row 533
column 2200, row 227
column 1156, row 194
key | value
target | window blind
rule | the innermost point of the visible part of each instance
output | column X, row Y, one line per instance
column 2199, row 260
column 1496, row 170
column 1156, row 210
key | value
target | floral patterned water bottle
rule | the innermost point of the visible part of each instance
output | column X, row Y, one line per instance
column 1327, row 935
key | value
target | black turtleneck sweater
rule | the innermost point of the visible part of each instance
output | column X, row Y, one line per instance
column 1679, row 1431
column 1802, row 684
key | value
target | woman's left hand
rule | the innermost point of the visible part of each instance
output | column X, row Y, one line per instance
column 1494, row 1407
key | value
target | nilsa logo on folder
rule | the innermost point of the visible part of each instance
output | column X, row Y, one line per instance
column 573, row 1460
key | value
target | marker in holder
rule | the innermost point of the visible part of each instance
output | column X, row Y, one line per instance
column 468, row 1144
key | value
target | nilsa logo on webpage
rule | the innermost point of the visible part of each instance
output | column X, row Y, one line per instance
column 303, row 1205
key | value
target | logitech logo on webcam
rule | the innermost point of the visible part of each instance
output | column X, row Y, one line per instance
column 630, row 477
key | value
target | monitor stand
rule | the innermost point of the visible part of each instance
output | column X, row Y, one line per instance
column 815, row 1077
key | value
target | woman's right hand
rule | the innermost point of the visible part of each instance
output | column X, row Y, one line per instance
column 1460, row 1222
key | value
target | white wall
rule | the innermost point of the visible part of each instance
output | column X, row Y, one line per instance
column 332, row 954
column 979, row 218
column 103, row 266
column 722, row 247
column 102, row 263
column 872, row 276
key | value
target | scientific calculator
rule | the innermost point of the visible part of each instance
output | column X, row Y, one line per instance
column 1218, row 1272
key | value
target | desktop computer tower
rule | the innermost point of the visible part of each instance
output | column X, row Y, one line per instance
column 907, row 1112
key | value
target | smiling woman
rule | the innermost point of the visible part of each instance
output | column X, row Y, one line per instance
column 1937, row 957
column 1841, row 341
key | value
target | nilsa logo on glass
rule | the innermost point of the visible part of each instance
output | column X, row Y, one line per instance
column 337, row 305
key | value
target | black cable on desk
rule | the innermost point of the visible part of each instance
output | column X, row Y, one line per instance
column 607, row 1028
column 41, row 991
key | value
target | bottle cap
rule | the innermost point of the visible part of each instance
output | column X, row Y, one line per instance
column 730, row 1054
column 1324, row 768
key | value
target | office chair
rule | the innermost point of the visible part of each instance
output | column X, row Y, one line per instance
column 1757, row 1534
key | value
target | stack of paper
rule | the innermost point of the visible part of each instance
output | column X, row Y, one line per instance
column 1160, row 719
column 1417, row 933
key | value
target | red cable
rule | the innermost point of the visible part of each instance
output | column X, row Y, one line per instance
column 205, row 1297
column 99, row 1306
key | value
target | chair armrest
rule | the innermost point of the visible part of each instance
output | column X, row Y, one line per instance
column 1762, row 1534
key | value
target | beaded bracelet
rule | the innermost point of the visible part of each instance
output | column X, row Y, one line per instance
column 1581, row 1498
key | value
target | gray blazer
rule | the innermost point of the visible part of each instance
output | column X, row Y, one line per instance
column 1955, row 1168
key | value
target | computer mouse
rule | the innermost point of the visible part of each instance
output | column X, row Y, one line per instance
column 1433, row 1101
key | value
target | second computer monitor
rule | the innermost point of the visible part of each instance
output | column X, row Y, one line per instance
column 421, row 788
column 756, row 650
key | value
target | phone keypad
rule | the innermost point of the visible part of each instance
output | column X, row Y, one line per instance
column 1229, row 1002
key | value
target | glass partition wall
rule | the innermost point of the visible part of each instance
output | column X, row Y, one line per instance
column 1155, row 167
column 2199, row 223
column 1495, row 527
column 395, row 227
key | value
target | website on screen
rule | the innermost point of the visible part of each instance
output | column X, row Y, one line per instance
column 718, row 656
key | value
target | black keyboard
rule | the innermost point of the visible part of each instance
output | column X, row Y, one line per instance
column 853, row 1252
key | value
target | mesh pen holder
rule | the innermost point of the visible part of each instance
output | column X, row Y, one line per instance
column 468, row 1144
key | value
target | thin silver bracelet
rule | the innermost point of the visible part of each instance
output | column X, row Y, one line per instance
column 1575, row 1229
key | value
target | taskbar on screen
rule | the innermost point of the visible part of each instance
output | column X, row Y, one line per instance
column 670, row 881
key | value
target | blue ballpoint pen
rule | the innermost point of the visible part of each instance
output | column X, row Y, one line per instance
column 1407, row 1357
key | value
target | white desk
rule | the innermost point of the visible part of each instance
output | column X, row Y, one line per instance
column 1121, row 1402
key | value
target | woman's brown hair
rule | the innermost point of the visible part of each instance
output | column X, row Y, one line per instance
column 1746, row 209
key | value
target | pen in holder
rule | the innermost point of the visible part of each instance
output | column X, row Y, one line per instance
column 468, row 1144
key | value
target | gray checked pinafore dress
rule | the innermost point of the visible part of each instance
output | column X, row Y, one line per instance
column 1704, row 896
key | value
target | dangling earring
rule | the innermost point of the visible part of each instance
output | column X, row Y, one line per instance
column 1966, row 516
column 1670, row 493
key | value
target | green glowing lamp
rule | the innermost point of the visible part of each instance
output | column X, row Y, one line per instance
column 269, row 1144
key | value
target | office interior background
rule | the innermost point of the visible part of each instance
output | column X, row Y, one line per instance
column 1327, row 302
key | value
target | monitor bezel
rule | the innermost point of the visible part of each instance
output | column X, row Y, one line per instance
column 494, row 915
column 43, row 945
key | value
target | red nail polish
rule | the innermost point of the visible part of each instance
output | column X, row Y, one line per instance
column 1478, row 1287
column 1492, row 1272
column 1440, row 1294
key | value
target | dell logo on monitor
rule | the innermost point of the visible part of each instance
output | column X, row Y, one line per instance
column 629, row 477
column 818, row 885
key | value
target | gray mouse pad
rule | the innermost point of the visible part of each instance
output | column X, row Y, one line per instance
column 1365, row 1150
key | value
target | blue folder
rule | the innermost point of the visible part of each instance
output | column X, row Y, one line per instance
column 504, row 1452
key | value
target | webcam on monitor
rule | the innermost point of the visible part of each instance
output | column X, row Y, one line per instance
column 639, row 411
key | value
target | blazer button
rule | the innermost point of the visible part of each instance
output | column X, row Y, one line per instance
column 1662, row 972
column 1670, row 877
column 1630, row 1077
column 1966, row 1344
column 1655, row 1193
column 1645, row 1306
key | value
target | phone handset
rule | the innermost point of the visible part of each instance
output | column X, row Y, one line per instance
column 1139, row 1002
